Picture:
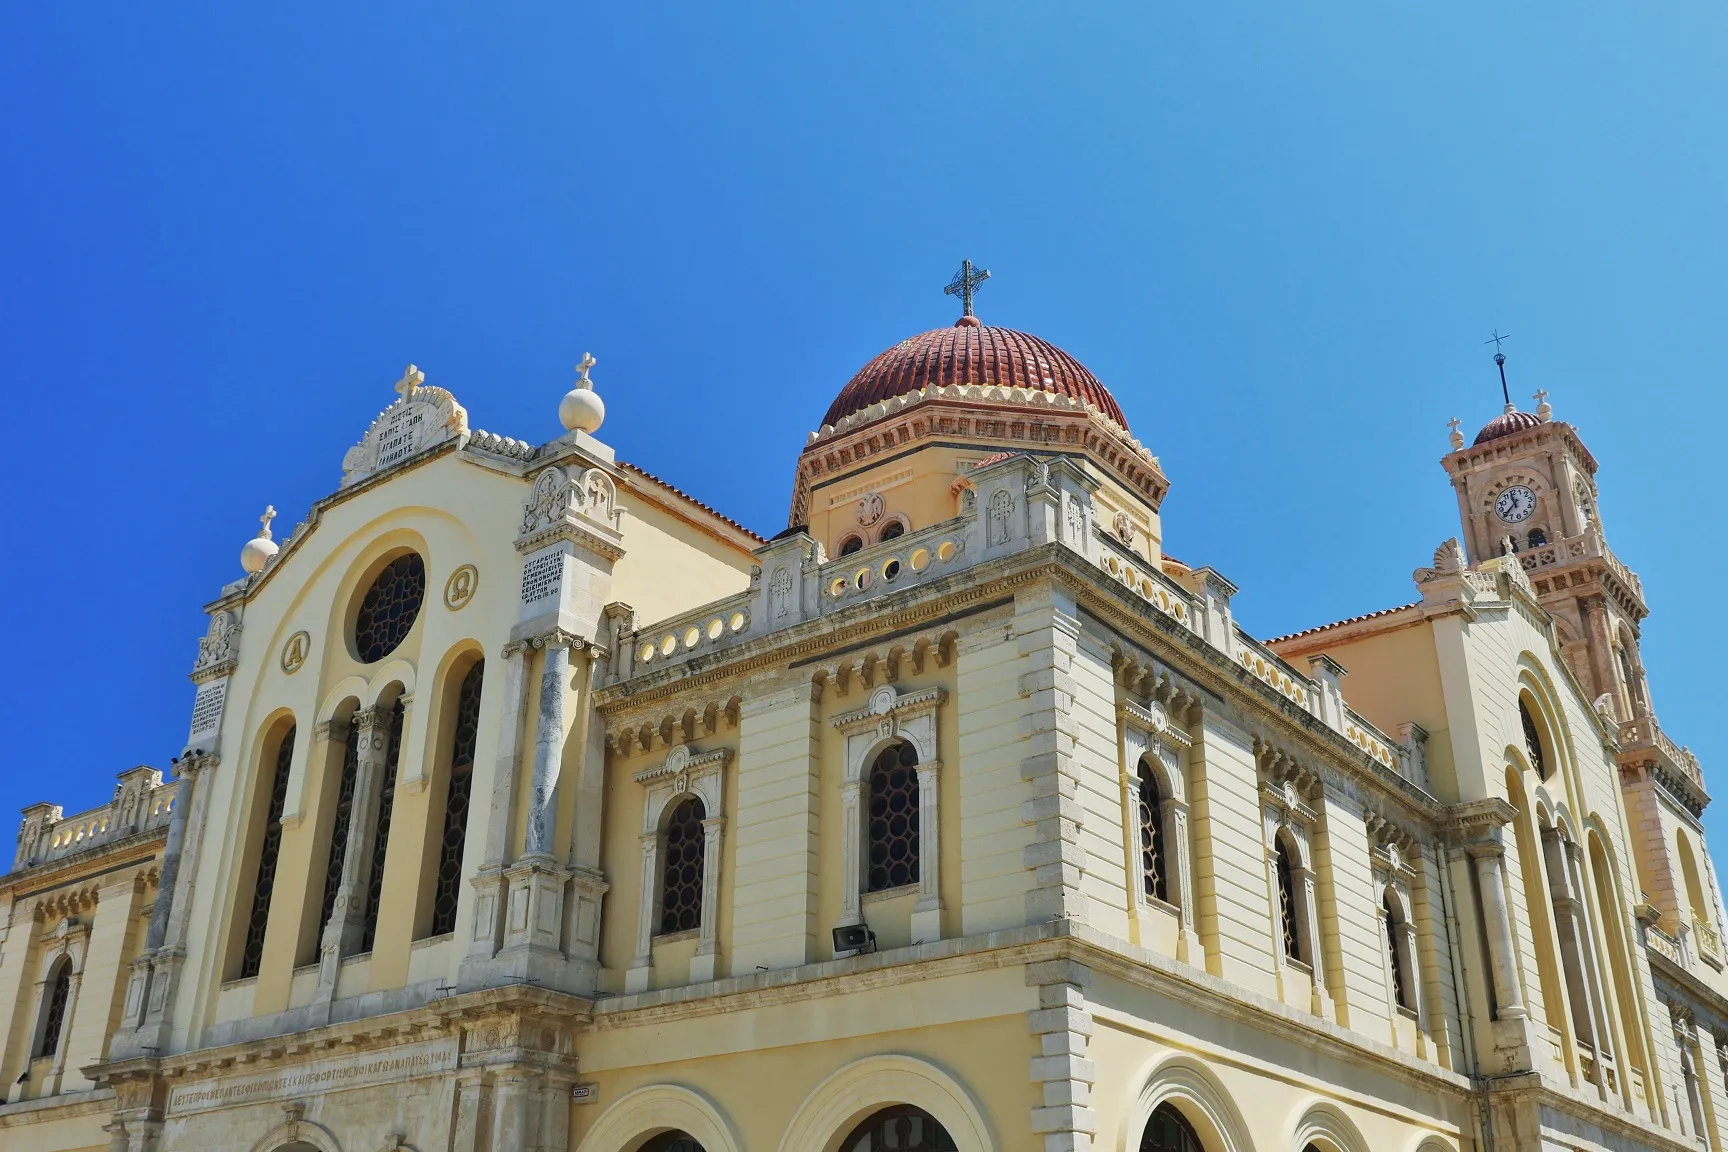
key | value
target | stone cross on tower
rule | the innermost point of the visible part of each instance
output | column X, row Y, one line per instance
column 1457, row 437
column 588, row 362
column 269, row 515
column 412, row 378
column 965, row 285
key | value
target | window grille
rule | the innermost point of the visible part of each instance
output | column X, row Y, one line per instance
column 339, row 827
column 1168, row 1131
column 389, row 608
column 894, row 530
column 59, row 992
column 1400, row 986
column 681, row 868
column 1152, row 837
column 673, row 1142
column 449, row 878
column 1287, row 905
column 903, row 1129
column 851, row 544
column 381, row 830
column 1532, row 740
column 893, row 817
column 252, row 955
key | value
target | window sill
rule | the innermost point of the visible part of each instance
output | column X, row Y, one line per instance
column 1297, row 965
column 674, row 937
column 1161, row 905
column 430, row 941
column 891, row 893
column 241, row 982
column 1409, row 1014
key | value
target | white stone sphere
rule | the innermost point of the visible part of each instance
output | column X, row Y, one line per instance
column 581, row 409
column 257, row 553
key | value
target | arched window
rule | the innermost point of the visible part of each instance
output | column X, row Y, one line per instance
column 388, row 610
column 681, row 868
column 1168, row 1131
column 339, row 826
column 1538, row 538
column 1154, row 881
column 381, row 830
column 892, row 530
column 900, row 1129
column 269, row 849
column 893, row 819
column 447, row 884
column 1533, row 741
column 851, row 544
column 1634, row 681
column 54, row 1014
column 1397, row 955
column 673, row 1142
column 1287, row 908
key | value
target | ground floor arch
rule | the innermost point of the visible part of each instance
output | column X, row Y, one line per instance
column 830, row 1117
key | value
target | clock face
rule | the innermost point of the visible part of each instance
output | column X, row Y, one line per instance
column 1516, row 504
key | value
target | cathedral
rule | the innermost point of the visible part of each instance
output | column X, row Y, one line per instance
column 529, row 803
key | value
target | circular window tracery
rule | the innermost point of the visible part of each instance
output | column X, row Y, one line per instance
column 389, row 608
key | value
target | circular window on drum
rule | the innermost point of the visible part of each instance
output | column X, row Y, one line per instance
column 389, row 608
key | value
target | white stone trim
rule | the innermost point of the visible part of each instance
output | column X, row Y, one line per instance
column 684, row 772
column 893, row 715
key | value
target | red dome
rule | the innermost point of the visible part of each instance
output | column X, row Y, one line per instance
column 1506, row 424
column 971, row 353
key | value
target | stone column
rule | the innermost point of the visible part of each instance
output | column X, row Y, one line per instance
column 488, row 931
column 702, row 966
column 927, row 913
column 588, row 886
column 534, row 885
column 157, row 985
column 642, row 966
column 343, row 934
column 1512, row 1026
column 851, row 852
column 1179, row 877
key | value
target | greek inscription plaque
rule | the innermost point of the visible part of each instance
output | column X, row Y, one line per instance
column 542, row 577
column 400, row 436
column 207, row 708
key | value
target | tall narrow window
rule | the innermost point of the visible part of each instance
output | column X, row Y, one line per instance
column 893, row 819
column 53, row 1022
column 1532, row 741
column 448, row 883
column 1152, row 872
column 1403, row 980
column 1287, row 903
column 1538, row 538
column 681, row 868
column 1169, row 1131
column 252, row 954
column 381, row 830
column 339, row 826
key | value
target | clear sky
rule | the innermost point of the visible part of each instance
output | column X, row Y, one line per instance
column 1280, row 233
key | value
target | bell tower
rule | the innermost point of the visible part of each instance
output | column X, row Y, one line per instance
column 1527, row 484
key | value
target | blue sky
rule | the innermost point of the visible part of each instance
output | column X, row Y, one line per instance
column 1279, row 233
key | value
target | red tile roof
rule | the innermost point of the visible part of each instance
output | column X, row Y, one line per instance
column 685, row 496
column 1340, row 623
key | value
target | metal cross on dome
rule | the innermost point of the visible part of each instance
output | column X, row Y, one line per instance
column 965, row 285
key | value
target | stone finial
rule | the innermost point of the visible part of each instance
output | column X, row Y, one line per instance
column 412, row 378
column 261, row 547
column 582, row 409
column 1449, row 557
column 1508, row 546
column 1544, row 410
column 1457, row 437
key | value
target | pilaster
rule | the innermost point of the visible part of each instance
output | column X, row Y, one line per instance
column 1047, row 628
column 1062, row 1026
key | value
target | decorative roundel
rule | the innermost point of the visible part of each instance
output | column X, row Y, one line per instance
column 871, row 508
column 1515, row 504
column 389, row 608
column 460, row 588
column 294, row 652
